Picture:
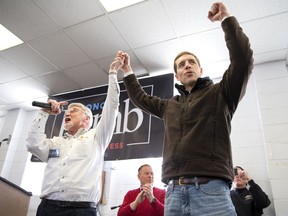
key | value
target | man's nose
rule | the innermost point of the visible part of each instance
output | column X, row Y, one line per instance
column 67, row 113
column 187, row 65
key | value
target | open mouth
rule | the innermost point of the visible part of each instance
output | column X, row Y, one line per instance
column 67, row 120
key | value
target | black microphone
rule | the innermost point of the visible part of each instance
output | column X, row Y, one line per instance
column 41, row 104
column 114, row 207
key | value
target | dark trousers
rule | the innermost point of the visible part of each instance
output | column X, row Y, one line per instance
column 45, row 209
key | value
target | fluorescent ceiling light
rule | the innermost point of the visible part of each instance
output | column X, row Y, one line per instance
column 8, row 39
column 112, row 5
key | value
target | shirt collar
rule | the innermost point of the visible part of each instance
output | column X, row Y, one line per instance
column 79, row 132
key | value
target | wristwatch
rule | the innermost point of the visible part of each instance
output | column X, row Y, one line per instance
column 153, row 200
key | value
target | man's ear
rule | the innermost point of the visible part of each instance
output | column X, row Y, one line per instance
column 201, row 71
column 176, row 76
column 87, row 119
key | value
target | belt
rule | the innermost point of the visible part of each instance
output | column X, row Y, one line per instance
column 69, row 204
column 190, row 181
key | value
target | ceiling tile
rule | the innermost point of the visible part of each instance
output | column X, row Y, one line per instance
column 25, row 19
column 22, row 90
column 268, row 40
column 9, row 72
column 58, row 82
column 28, row 60
column 160, row 56
column 2, row 102
column 60, row 50
column 189, row 17
column 188, row 20
column 70, row 12
column 87, row 75
column 247, row 10
column 89, row 34
column 144, row 24
column 209, row 46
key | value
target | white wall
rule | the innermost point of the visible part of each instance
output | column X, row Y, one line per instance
column 248, row 146
column 259, row 141
column 13, row 156
column 271, row 81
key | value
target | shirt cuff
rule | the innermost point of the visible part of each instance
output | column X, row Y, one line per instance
column 153, row 201
column 112, row 72
column 128, row 73
column 226, row 17
column 251, row 182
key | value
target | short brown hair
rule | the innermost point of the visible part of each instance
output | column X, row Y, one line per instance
column 144, row 165
column 184, row 53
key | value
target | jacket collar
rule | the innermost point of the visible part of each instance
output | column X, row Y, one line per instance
column 200, row 83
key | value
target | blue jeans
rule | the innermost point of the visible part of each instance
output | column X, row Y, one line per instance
column 211, row 199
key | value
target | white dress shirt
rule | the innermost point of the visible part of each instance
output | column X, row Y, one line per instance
column 76, row 174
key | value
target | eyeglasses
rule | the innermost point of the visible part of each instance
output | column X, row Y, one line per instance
column 74, row 110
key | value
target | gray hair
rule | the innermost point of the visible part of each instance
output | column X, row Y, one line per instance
column 86, row 110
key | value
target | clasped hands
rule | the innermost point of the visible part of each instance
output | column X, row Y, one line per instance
column 146, row 192
column 121, row 62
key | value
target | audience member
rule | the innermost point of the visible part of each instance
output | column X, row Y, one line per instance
column 247, row 201
column 145, row 200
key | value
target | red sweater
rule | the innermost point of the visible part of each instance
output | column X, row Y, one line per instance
column 144, row 208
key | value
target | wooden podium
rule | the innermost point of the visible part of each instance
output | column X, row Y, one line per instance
column 14, row 201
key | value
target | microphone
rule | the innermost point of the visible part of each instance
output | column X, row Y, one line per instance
column 41, row 104
column 114, row 207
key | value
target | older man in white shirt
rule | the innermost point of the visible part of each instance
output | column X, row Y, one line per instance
column 72, row 180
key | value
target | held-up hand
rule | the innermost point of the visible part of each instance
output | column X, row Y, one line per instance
column 217, row 12
column 55, row 107
column 126, row 60
column 116, row 64
column 247, row 176
column 244, row 175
